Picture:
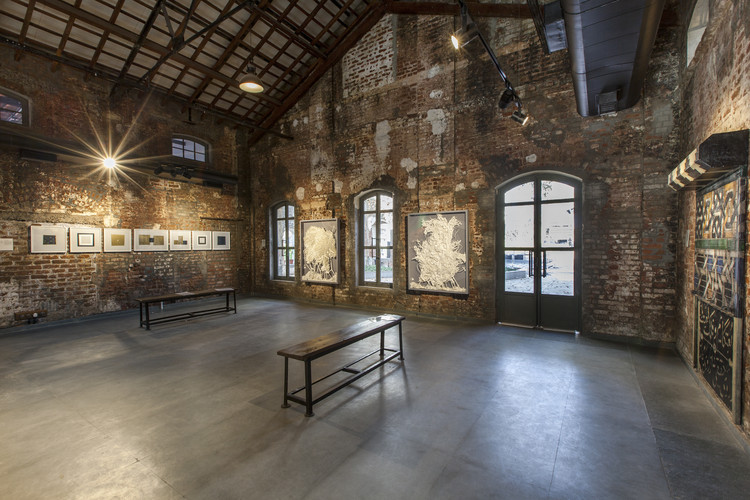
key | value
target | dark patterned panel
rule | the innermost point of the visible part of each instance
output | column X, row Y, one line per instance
column 715, row 350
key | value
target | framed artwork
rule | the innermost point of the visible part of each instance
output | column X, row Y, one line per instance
column 201, row 240
column 180, row 240
column 437, row 252
column 85, row 240
column 150, row 240
column 49, row 239
column 220, row 240
column 117, row 240
column 6, row 244
column 320, row 251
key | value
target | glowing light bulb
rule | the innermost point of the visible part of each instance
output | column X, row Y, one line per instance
column 454, row 41
column 109, row 162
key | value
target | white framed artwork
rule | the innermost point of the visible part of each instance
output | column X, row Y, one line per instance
column 179, row 240
column 150, row 240
column 220, row 240
column 117, row 240
column 85, row 240
column 49, row 239
column 320, row 251
column 201, row 240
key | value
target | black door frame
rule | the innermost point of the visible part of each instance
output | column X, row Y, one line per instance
column 535, row 176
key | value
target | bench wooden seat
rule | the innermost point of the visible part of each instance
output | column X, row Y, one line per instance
column 145, row 302
column 326, row 344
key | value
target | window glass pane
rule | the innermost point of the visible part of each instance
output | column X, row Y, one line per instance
column 11, row 110
column 200, row 157
column 518, row 271
column 557, row 273
column 524, row 192
column 189, row 149
column 281, row 233
column 189, row 155
column 370, row 264
column 552, row 190
column 386, row 229
column 281, row 212
column 386, row 265
column 519, row 226
column 290, row 227
column 370, row 236
column 370, row 203
column 386, row 202
column 281, row 263
column 176, row 151
column 200, row 148
column 291, row 262
column 557, row 225
column 291, row 210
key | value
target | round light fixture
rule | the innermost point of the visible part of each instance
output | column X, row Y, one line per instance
column 250, row 82
column 109, row 162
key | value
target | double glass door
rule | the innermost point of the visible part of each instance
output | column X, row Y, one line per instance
column 539, row 252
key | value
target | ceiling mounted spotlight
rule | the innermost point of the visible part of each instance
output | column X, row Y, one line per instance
column 520, row 117
column 250, row 82
column 463, row 36
column 508, row 98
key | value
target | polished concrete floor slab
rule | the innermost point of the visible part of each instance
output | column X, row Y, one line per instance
column 100, row 408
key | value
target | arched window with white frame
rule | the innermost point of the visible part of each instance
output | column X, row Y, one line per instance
column 376, row 239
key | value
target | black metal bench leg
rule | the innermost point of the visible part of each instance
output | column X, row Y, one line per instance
column 234, row 296
column 382, row 343
column 140, row 310
column 286, row 382
column 308, row 389
column 400, row 343
column 148, row 317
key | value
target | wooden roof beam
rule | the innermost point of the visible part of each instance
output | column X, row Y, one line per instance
column 476, row 9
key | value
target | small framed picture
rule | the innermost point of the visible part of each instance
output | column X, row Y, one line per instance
column 150, row 240
column 180, row 240
column 220, row 240
column 85, row 240
column 48, row 239
column 201, row 240
column 117, row 240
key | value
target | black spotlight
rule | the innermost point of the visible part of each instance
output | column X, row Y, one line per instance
column 506, row 99
column 520, row 117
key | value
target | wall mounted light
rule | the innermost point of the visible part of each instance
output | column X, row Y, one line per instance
column 250, row 81
column 463, row 36
column 520, row 117
column 109, row 162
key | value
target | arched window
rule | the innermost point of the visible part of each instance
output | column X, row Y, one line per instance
column 189, row 148
column 282, row 241
column 13, row 108
column 376, row 239
column 697, row 27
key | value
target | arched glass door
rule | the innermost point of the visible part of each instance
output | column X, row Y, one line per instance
column 539, row 242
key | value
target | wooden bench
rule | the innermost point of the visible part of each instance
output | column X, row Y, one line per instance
column 145, row 302
column 315, row 348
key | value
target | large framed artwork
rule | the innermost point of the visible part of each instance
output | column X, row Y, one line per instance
column 719, row 284
column 150, row 240
column 220, row 240
column 320, row 251
column 437, row 252
column 48, row 239
column 201, row 240
column 85, row 240
column 118, row 240
column 179, row 240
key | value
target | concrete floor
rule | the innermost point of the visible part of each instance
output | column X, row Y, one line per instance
column 102, row 409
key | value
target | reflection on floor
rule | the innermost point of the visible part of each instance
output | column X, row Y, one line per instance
column 102, row 409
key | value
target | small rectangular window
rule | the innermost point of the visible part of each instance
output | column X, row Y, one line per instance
column 189, row 149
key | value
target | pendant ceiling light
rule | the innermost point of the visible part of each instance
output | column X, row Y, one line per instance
column 250, row 82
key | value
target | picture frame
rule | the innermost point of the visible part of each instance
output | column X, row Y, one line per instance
column 180, row 240
column 202, row 240
column 150, row 240
column 118, row 240
column 220, row 240
column 85, row 240
column 437, row 256
column 48, row 239
column 320, row 251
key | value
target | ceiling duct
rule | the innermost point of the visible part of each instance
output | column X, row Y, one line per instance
column 607, row 102
column 554, row 27
column 610, row 43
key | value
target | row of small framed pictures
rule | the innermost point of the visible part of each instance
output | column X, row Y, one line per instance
column 53, row 239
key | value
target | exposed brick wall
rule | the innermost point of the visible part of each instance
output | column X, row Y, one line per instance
column 433, row 135
column 715, row 99
column 32, row 192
